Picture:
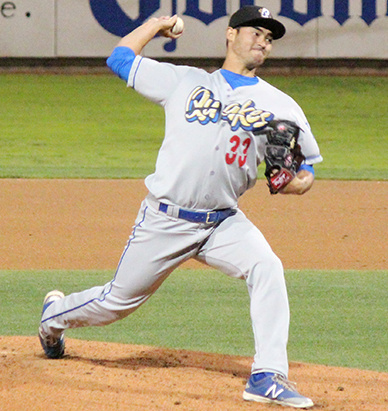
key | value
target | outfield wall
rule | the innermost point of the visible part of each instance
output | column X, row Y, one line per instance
column 91, row 28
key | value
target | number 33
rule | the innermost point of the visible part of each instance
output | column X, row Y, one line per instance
column 232, row 155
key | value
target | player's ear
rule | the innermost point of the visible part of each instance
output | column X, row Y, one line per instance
column 230, row 34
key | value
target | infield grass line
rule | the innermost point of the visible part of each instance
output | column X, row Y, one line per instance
column 338, row 318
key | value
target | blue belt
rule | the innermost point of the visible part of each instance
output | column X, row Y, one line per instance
column 206, row 217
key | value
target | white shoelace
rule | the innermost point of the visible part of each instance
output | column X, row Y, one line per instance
column 289, row 385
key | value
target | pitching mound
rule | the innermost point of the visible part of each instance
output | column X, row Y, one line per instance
column 102, row 376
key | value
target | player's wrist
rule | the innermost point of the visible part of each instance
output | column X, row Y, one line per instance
column 300, row 184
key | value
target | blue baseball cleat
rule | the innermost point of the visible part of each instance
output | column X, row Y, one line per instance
column 53, row 347
column 273, row 388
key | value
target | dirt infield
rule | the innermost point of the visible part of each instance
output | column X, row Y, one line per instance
column 81, row 224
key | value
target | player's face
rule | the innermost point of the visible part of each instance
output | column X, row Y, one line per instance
column 251, row 45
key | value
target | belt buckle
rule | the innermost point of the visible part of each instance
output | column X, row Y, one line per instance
column 208, row 214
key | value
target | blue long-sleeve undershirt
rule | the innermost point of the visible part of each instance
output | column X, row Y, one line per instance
column 120, row 61
column 307, row 167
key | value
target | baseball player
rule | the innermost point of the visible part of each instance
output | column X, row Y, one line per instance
column 216, row 135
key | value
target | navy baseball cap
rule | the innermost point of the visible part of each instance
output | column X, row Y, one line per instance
column 256, row 16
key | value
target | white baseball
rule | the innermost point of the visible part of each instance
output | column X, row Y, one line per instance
column 177, row 28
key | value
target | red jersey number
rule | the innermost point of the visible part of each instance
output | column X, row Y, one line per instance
column 231, row 156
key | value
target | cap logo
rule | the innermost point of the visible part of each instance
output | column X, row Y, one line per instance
column 265, row 13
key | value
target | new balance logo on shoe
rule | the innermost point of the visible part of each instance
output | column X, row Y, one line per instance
column 273, row 392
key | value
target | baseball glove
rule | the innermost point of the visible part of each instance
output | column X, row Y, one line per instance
column 283, row 155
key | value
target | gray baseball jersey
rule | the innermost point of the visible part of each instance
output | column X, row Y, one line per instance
column 209, row 156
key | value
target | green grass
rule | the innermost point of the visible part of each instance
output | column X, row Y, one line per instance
column 76, row 126
column 337, row 317
column 93, row 127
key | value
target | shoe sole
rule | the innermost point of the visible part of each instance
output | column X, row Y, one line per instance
column 258, row 398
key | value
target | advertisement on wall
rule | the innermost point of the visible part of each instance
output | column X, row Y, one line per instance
column 92, row 28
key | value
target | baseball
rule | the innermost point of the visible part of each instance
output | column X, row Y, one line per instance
column 177, row 28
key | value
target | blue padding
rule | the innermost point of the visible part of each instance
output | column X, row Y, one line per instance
column 237, row 80
column 120, row 61
column 308, row 168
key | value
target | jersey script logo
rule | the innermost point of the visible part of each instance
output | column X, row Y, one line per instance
column 203, row 107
